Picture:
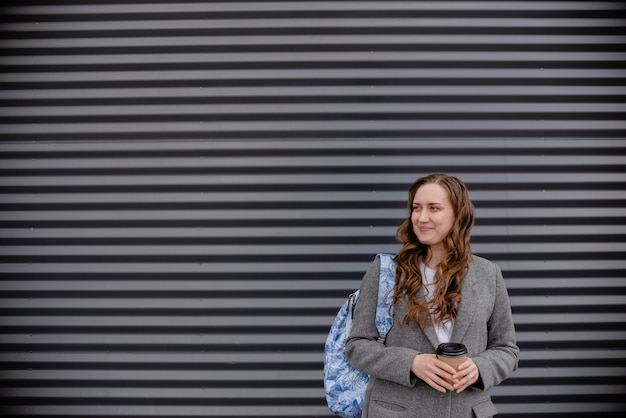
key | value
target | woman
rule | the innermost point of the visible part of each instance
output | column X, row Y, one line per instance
column 443, row 293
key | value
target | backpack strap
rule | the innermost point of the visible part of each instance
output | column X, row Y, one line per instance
column 386, row 283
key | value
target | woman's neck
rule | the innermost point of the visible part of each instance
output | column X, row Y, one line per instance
column 435, row 256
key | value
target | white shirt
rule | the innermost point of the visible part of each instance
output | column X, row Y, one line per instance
column 443, row 329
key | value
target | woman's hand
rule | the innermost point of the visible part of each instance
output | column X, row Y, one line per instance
column 466, row 375
column 434, row 371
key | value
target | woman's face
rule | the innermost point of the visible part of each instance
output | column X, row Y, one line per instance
column 432, row 216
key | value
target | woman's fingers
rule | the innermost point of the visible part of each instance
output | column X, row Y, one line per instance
column 466, row 375
column 433, row 371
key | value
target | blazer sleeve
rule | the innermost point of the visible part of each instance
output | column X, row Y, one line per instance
column 363, row 351
column 500, row 358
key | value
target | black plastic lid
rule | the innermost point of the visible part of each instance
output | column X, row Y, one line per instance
column 452, row 350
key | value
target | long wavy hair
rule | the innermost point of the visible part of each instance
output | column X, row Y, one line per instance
column 451, row 271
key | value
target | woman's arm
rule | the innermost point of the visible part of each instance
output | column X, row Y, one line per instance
column 362, row 349
column 500, row 358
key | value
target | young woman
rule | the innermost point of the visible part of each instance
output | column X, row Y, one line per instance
column 442, row 294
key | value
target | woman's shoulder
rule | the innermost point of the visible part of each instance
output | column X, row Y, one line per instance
column 481, row 263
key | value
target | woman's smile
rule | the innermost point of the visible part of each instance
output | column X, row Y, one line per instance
column 432, row 215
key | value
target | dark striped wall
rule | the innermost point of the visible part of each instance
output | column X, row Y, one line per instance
column 189, row 191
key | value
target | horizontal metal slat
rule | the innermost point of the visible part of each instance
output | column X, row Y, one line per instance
column 298, row 111
column 260, row 129
column 247, row 6
column 238, row 59
column 165, row 252
column 347, row 40
column 177, row 410
column 545, row 267
column 525, row 284
column 406, row 82
column 62, row 322
column 484, row 233
column 398, row 214
column 533, row 24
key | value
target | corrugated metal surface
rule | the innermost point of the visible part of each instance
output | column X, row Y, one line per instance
column 189, row 191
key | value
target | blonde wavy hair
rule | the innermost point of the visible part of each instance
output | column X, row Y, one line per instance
column 452, row 269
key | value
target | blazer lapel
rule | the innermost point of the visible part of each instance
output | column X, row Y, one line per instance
column 467, row 307
column 429, row 331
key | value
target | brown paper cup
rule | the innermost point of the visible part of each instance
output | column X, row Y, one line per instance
column 453, row 354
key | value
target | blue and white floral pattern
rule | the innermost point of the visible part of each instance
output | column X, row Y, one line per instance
column 345, row 386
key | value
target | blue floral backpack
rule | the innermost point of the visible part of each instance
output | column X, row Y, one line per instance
column 344, row 385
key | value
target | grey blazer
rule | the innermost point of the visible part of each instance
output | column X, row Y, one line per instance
column 484, row 324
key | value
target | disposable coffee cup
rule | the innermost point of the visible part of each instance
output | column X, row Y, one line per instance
column 453, row 354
